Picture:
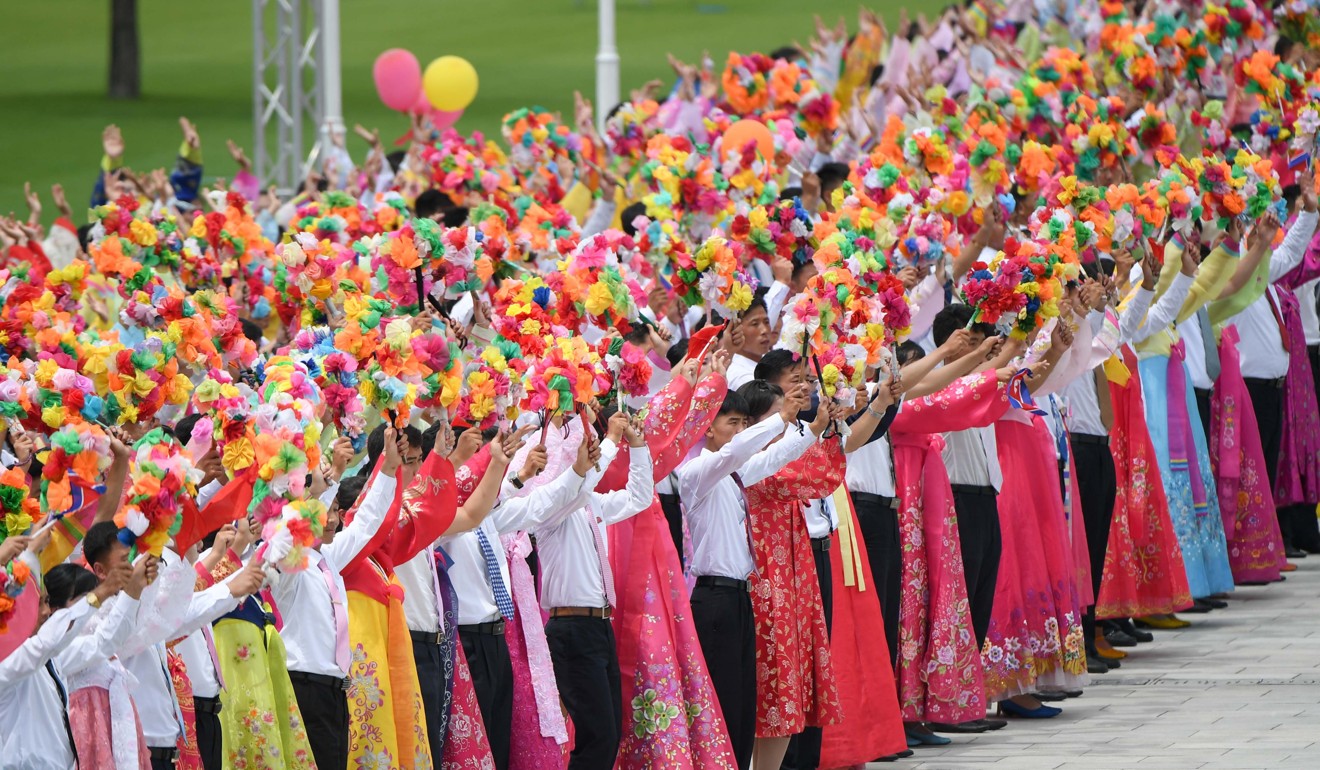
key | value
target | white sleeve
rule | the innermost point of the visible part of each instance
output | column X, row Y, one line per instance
column 1290, row 252
column 207, row 492
column 1162, row 315
column 549, row 502
column 775, row 297
column 54, row 635
column 1131, row 315
column 633, row 498
column 768, row 461
column 698, row 476
column 599, row 219
column 370, row 515
column 110, row 634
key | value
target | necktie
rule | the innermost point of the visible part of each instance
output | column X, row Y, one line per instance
column 606, row 574
column 64, row 710
column 747, row 520
column 215, row 658
column 439, row 596
column 502, row 598
column 1208, row 342
column 1278, row 319
column 827, row 510
column 342, row 658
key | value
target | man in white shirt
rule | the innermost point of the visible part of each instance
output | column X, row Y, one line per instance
column 1264, row 350
column 577, row 588
column 712, row 485
column 313, row 604
column 756, row 329
column 145, row 655
column 972, row 458
column 33, row 698
column 479, row 573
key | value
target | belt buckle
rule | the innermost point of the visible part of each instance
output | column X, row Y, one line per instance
column 345, row 683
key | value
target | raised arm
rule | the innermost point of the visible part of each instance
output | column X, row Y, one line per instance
column 472, row 512
column 638, row 495
column 699, row 475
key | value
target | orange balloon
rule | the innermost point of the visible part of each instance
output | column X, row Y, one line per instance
column 739, row 134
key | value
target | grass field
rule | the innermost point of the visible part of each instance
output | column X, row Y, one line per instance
column 197, row 61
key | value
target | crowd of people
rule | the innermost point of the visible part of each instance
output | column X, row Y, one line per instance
column 821, row 407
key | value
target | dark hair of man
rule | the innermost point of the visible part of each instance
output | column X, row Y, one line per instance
column 732, row 404
column 349, row 491
column 429, row 203
column 774, row 363
column 677, row 352
column 66, row 582
column 376, row 443
column 99, row 541
column 759, row 396
column 184, row 427
column 832, row 174
column 909, row 351
column 429, row 437
column 630, row 213
column 955, row 317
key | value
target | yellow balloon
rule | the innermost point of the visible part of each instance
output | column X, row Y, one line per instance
column 450, row 83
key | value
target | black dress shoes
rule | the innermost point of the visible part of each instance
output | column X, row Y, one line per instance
column 973, row 726
column 1213, row 603
column 1294, row 553
column 1095, row 665
column 1119, row 638
column 1129, row 628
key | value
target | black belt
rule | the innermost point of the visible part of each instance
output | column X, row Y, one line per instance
column 167, row 754
column 1087, row 438
column 884, row 501
column 1276, row 382
column 715, row 581
column 973, row 489
column 204, row 705
column 493, row 628
column 820, row 544
column 426, row 637
column 600, row 613
column 319, row 679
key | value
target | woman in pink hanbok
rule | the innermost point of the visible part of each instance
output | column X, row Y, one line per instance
column 1297, row 484
column 1255, row 546
column 672, row 718
column 940, row 672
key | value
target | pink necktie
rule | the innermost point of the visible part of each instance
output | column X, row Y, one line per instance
column 215, row 658
column 342, row 657
column 606, row 576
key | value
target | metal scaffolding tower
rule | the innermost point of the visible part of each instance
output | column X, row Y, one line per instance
column 295, row 86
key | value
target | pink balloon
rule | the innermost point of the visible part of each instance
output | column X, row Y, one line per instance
column 443, row 119
column 421, row 105
column 398, row 78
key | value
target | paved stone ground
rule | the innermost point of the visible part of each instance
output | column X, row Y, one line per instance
column 1239, row 690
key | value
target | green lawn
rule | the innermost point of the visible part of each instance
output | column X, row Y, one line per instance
column 197, row 61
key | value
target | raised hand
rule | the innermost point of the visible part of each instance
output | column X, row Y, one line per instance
column 189, row 133
column 112, row 142
column 236, row 153
column 393, row 452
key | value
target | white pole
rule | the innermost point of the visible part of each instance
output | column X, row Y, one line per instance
column 332, row 108
column 607, row 65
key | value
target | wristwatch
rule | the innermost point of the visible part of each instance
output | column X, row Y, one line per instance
column 94, row 600
column 516, row 482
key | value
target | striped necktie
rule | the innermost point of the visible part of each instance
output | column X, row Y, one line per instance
column 502, row 598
